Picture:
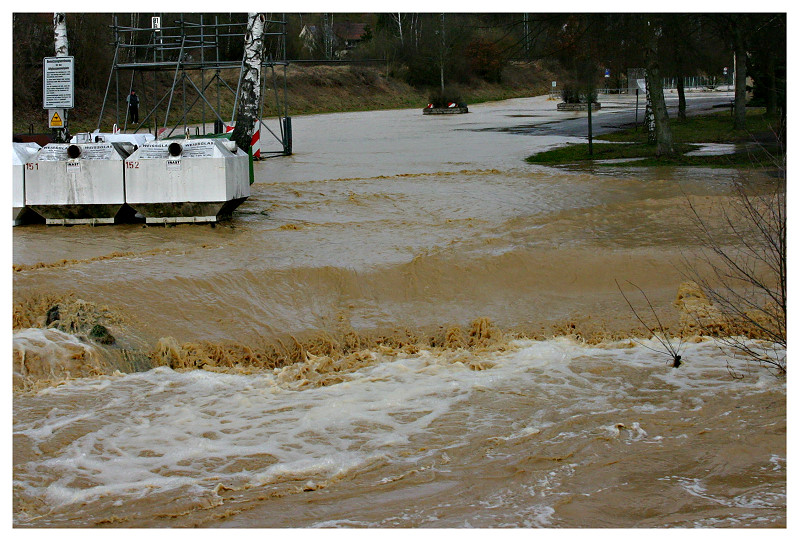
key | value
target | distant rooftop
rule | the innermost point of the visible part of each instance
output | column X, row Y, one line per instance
column 345, row 31
column 349, row 31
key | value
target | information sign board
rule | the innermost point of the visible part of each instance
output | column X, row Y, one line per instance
column 73, row 167
column 53, row 153
column 198, row 149
column 59, row 82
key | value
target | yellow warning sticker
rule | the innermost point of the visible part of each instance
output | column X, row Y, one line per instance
column 56, row 122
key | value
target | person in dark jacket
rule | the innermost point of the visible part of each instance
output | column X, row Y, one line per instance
column 133, row 107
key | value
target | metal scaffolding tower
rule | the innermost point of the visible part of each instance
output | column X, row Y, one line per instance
column 191, row 50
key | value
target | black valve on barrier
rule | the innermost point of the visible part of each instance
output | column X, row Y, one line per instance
column 73, row 151
column 175, row 149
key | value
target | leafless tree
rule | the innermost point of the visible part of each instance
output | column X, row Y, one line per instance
column 247, row 114
column 61, row 44
column 746, row 277
column 60, row 40
column 657, row 329
column 654, row 83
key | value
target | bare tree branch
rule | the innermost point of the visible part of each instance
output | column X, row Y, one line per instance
column 664, row 338
column 746, row 277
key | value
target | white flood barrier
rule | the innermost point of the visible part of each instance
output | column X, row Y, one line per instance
column 136, row 139
column 77, row 183
column 20, row 155
column 190, row 180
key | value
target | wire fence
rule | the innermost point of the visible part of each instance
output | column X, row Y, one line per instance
column 689, row 83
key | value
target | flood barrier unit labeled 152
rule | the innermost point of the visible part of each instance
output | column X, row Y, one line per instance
column 77, row 183
column 187, row 180
column 21, row 153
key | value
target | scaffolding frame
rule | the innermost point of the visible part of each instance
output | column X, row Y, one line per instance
column 184, row 47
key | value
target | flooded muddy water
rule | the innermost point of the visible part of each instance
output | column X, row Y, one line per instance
column 406, row 325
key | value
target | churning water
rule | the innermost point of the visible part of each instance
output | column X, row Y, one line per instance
column 406, row 325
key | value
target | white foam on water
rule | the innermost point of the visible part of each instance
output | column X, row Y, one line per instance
column 341, row 523
column 44, row 338
column 164, row 430
column 757, row 499
column 129, row 436
column 778, row 462
column 49, row 345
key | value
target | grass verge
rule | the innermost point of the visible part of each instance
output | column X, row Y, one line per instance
column 630, row 147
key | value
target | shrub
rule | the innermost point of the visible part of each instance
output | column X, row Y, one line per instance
column 572, row 94
column 443, row 100
column 569, row 94
column 485, row 59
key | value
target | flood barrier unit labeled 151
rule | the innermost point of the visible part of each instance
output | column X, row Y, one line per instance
column 187, row 180
column 21, row 153
column 77, row 183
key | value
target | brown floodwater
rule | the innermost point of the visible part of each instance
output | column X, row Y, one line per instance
column 406, row 325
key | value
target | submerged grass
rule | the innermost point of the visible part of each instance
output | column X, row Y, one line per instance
column 630, row 146
column 715, row 127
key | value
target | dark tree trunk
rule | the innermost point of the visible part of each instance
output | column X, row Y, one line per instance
column 681, row 96
column 771, row 87
column 740, row 81
column 590, row 122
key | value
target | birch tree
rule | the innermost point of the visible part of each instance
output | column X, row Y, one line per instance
column 60, row 33
column 250, row 97
column 664, row 142
column 61, row 49
column 398, row 18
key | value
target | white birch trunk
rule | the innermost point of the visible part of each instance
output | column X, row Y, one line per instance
column 250, row 98
column 654, row 85
column 60, row 33
column 398, row 18
column 61, row 49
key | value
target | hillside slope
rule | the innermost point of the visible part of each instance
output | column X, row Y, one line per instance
column 310, row 88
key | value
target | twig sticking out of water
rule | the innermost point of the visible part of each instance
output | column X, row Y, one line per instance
column 671, row 351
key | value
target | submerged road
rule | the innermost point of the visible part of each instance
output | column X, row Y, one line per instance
column 404, row 141
column 617, row 112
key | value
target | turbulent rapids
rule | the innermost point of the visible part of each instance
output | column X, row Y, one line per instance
column 385, row 341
